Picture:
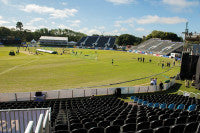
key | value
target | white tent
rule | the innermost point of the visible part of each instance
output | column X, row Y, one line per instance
column 72, row 43
column 33, row 41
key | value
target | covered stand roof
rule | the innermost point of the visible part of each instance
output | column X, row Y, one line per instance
column 54, row 38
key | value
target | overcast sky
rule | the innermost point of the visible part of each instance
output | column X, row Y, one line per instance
column 108, row 17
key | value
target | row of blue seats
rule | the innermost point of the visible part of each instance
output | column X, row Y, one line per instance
column 162, row 105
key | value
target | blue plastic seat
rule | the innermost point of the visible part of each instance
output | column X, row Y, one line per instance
column 156, row 105
column 145, row 103
column 132, row 97
column 181, row 106
column 136, row 99
column 150, row 105
column 163, row 106
column 171, row 106
column 140, row 101
column 191, row 107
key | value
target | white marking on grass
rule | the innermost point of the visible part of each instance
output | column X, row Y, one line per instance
column 10, row 69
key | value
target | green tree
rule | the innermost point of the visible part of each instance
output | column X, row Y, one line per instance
column 127, row 39
column 19, row 26
column 163, row 36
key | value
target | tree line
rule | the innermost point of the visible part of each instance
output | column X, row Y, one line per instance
column 122, row 40
column 27, row 35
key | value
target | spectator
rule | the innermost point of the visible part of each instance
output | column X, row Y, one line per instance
column 187, row 84
column 152, row 82
column 161, row 86
column 150, row 60
column 162, row 65
column 92, row 97
column 155, row 81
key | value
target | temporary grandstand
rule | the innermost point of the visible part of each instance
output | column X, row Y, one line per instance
column 97, row 42
column 53, row 41
column 160, row 47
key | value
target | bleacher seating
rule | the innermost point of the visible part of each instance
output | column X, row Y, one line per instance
column 111, row 115
column 158, row 46
column 102, row 42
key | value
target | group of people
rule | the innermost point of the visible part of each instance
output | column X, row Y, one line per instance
column 154, row 82
column 141, row 59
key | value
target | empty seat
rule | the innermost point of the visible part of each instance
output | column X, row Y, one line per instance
column 75, row 126
column 83, row 121
column 118, row 122
column 162, row 129
column 180, row 107
column 143, row 125
column 168, row 122
column 153, row 118
column 112, row 129
column 192, row 107
column 174, row 115
column 141, row 119
column 177, row 128
column 103, row 124
column 191, row 127
column 145, row 131
column 171, row 106
column 163, row 116
column 89, row 125
column 96, row 130
column 157, row 123
column 61, row 127
column 80, row 130
column 156, row 105
column 98, row 119
column 192, row 118
column 181, row 120
column 163, row 106
column 130, row 120
column 128, row 127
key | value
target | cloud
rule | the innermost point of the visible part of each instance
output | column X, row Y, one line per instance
column 34, row 20
column 3, row 21
column 162, row 20
column 181, row 3
column 100, row 27
column 54, row 13
column 90, row 31
column 5, row 2
column 64, row 3
column 129, row 21
column 118, row 2
column 123, row 29
column 62, row 26
column 139, row 29
column 74, row 23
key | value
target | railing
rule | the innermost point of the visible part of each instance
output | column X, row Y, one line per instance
column 72, row 93
column 190, row 94
column 19, row 120
column 29, row 128
column 39, row 127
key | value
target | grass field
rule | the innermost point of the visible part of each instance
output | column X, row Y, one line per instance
column 27, row 72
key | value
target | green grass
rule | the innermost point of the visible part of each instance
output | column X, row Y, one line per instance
column 28, row 72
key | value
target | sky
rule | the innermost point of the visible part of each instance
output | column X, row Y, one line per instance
column 103, row 17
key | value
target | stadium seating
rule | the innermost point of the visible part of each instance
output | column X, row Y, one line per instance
column 109, row 114
column 102, row 42
column 158, row 46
